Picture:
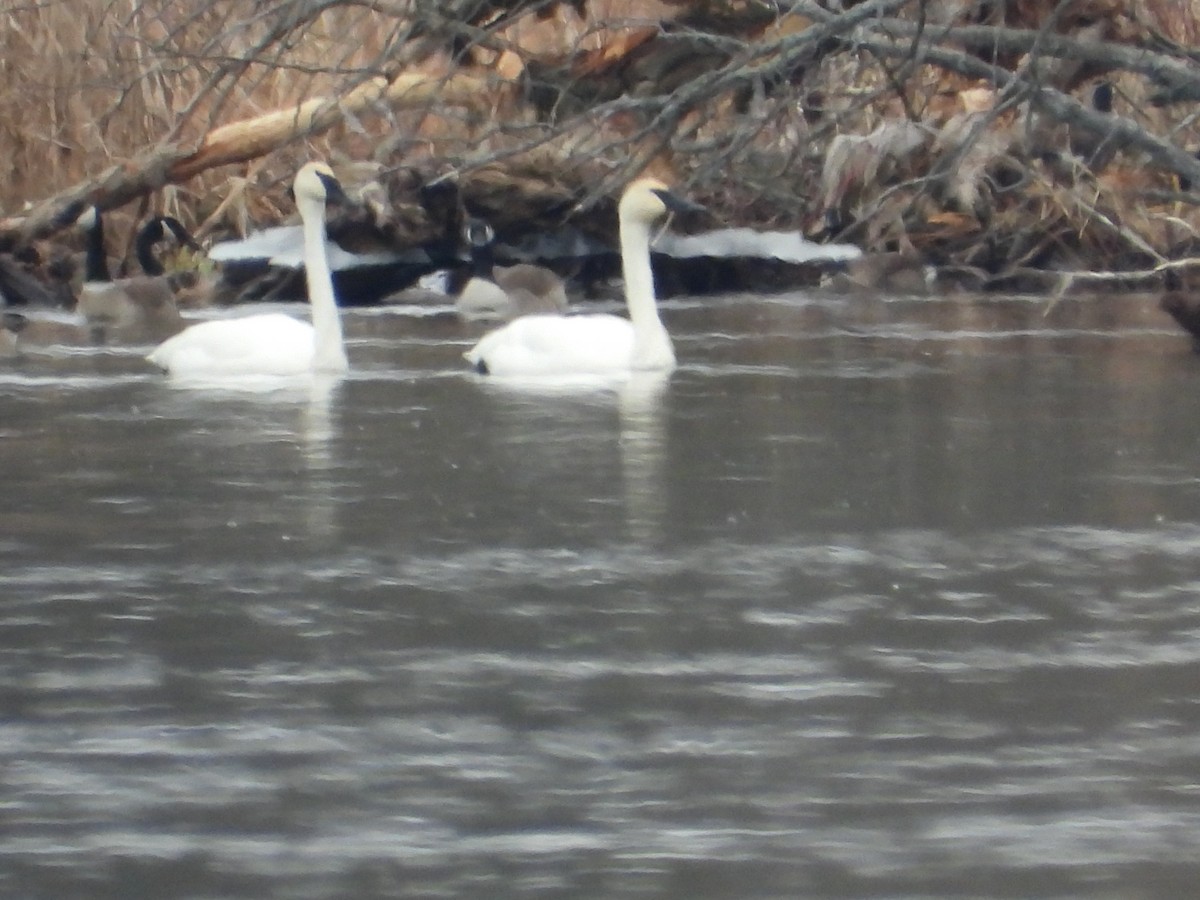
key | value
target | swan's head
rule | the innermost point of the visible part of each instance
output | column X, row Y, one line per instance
column 647, row 200
column 315, row 182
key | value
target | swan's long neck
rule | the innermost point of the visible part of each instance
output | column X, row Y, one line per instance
column 329, row 355
column 651, row 344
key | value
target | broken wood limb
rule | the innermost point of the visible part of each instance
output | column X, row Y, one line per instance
column 251, row 138
column 235, row 143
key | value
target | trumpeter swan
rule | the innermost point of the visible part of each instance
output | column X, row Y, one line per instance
column 505, row 292
column 273, row 343
column 596, row 344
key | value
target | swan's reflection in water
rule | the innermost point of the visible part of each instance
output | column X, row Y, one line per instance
column 643, row 442
column 263, row 407
column 317, row 440
column 565, row 426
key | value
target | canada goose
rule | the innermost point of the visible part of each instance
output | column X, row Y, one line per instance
column 10, row 326
column 891, row 272
column 153, row 233
column 192, row 289
column 1182, row 305
column 273, row 343
column 599, row 344
column 1096, row 148
column 1182, row 181
column 1093, row 148
column 19, row 287
column 19, row 332
column 505, row 292
column 140, row 308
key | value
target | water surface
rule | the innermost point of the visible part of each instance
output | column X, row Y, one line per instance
column 873, row 597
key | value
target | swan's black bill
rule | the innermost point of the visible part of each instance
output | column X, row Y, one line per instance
column 333, row 190
column 677, row 204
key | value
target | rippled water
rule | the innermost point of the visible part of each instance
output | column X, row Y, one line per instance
column 887, row 598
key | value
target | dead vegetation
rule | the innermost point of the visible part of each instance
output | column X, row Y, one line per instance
column 964, row 129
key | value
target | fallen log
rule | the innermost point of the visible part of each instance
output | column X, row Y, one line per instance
column 171, row 163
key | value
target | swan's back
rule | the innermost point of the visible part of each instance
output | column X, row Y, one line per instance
column 267, row 344
column 556, row 345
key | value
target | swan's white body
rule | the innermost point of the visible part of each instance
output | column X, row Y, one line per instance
column 561, row 345
column 265, row 344
column 272, row 343
column 601, row 344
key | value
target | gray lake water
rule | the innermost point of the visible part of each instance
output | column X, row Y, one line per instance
column 875, row 598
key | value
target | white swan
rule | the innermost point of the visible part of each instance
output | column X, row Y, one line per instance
column 273, row 343
column 596, row 344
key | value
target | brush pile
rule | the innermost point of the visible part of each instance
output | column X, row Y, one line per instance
column 1029, row 142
